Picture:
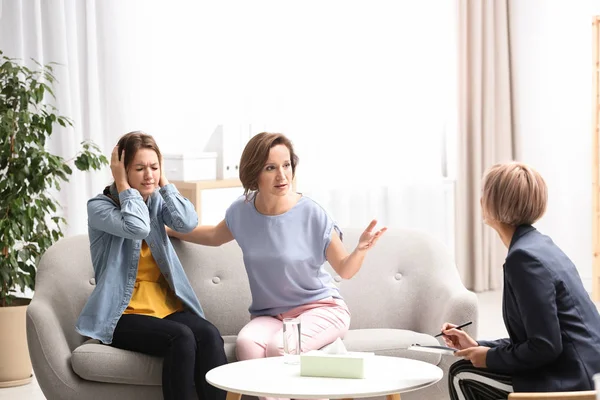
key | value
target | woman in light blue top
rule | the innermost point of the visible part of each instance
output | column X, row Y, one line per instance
column 285, row 238
column 143, row 300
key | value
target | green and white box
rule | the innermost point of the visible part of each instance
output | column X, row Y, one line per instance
column 348, row 365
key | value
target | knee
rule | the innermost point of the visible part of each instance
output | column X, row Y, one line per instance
column 275, row 347
column 209, row 336
column 458, row 367
column 183, row 337
column 247, row 348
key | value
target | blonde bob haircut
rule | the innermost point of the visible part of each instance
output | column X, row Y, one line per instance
column 513, row 193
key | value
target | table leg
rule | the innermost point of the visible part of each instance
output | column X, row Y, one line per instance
column 388, row 397
column 233, row 396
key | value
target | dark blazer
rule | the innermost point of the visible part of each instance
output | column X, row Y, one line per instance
column 553, row 325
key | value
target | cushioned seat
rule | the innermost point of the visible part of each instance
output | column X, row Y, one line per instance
column 97, row 362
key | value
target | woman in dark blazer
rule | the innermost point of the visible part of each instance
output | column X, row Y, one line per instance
column 553, row 326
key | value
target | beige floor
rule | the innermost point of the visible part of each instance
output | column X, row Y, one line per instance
column 490, row 327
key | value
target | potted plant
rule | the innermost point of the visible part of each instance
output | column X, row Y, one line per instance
column 29, row 222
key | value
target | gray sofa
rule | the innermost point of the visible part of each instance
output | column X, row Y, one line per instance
column 408, row 284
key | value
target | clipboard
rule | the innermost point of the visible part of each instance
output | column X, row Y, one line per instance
column 433, row 349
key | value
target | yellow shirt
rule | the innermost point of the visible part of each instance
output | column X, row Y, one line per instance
column 151, row 294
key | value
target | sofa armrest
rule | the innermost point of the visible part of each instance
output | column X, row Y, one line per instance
column 49, row 351
column 448, row 301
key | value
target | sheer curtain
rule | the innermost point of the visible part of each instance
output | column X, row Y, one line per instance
column 364, row 89
column 485, row 134
column 78, row 36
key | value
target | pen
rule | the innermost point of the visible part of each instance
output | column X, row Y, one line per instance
column 457, row 327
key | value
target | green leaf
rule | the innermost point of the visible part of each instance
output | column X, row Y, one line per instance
column 82, row 163
column 27, row 210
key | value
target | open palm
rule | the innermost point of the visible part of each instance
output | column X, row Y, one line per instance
column 369, row 237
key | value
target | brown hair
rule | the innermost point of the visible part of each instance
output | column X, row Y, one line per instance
column 514, row 193
column 131, row 142
column 256, row 154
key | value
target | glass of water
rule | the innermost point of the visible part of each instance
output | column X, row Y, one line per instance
column 291, row 340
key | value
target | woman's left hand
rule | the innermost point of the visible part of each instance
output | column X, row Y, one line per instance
column 163, row 179
column 369, row 238
column 477, row 355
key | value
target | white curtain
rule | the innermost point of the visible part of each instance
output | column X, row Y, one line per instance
column 364, row 89
column 485, row 134
column 73, row 34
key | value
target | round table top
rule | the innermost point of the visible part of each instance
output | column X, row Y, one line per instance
column 271, row 377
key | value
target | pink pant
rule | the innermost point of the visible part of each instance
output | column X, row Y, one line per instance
column 321, row 323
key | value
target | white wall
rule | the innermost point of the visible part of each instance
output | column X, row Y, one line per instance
column 551, row 50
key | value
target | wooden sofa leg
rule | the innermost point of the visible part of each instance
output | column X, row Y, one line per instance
column 393, row 396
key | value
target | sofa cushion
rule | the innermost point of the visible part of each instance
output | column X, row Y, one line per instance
column 94, row 361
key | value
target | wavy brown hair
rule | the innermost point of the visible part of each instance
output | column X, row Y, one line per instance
column 133, row 141
column 255, row 156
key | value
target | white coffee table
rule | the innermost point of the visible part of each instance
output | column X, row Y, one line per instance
column 271, row 377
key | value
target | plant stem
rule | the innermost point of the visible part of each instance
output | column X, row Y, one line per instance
column 3, row 298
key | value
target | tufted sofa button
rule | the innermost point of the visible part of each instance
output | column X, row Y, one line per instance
column 216, row 280
column 338, row 279
column 93, row 281
column 398, row 276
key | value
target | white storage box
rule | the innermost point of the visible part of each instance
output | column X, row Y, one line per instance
column 190, row 166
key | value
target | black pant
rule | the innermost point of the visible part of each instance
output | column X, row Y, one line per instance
column 190, row 346
column 477, row 383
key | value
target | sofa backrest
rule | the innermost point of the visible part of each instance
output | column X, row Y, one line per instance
column 398, row 276
column 404, row 274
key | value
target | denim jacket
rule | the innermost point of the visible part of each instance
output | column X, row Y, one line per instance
column 116, row 234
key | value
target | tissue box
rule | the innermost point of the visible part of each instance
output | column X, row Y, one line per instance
column 190, row 166
column 349, row 365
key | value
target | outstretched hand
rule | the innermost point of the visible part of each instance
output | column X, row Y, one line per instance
column 369, row 238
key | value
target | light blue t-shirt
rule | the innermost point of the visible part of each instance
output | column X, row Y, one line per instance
column 283, row 254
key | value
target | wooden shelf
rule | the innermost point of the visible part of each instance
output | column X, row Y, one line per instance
column 212, row 184
column 192, row 190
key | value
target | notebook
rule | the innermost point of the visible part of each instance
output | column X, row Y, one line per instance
column 433, row 349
